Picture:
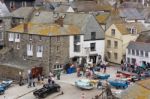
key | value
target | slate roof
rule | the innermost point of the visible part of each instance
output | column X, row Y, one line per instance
column 4, row 10
column 130, row 13
column 78, row 19
column 139, row 90
column 87, row 6
column 23, row 12
column 146, row 13
column 144, row 37
column 62, row 8
column 47, row 29
column 131, row 5
column 139, row 46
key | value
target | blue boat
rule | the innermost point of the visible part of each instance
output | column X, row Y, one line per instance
column 118, row 83
column 84, row 84
column 102, row 76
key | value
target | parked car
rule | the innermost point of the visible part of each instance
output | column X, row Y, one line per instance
column 2, row 90
column 84, row 84
column 118, row 83
column 46, row 90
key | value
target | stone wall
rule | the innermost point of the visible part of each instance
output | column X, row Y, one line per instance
column 7, row 72
column 55, row 49
column 59, row 50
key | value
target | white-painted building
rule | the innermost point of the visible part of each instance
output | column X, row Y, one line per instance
column 90, row 49
column 138, row 53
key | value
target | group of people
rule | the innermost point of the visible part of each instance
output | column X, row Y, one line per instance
column 89, row 70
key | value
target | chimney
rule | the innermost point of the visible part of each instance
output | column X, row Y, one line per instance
column 59, row 21
column 25, row 27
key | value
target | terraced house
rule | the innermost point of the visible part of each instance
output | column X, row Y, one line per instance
column 51, row 40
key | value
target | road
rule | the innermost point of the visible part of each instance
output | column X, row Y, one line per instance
column 67, row 84
column 70, row 91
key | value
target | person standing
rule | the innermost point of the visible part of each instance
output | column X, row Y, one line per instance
column 33, row 82
column 58, row 74
column 29, row 80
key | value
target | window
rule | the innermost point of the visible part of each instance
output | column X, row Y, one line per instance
column 93, row 35
column 109, row 55
column 39, row 51
column 11, row 36
column 30, row 37
column 17, row 37
column 58, row 67
column 132, row 30
column 76, row 48
column 115, row 44
column 146, row 54
column 1, row 23
column 108, row 43
column 137, row 52
column 113, row 32
column 116, row 56
column 76, row 38
column 1, row 36
column 142, row 53
column 40, row 38
column 29, row 49
column 133, row 52
column 12, row 5
column 129, row 51
column 128, row 60
column 92, row 47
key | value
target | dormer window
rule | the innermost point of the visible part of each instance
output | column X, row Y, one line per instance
column 132, row 30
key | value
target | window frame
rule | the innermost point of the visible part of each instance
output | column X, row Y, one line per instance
column 113, row 32
column 115, row 42
column 92, row 46
column 116, row 56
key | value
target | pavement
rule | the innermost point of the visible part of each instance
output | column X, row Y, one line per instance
column 18, row 92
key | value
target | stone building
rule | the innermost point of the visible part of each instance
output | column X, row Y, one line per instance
column 5, row 23
column 40, row 45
